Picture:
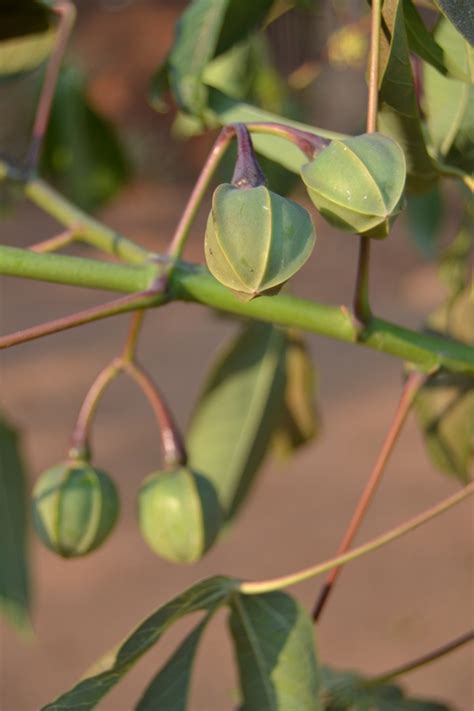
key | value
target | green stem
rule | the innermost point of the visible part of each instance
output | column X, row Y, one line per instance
column 419, row 662
column 193, row 283
column 75, row 271
column 89, row 230
column 264, row 586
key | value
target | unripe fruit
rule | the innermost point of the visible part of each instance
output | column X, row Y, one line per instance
column 357, row 183
column 179, row 514
column 75, row 507
column 256, row 239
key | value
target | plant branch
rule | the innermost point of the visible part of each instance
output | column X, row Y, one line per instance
column 174, row 453
column 413, row 383
column 309, row 143
column 256, row 588
column 89, row 229
column 67, row 14
column 423, row 660
column 96, row 313
column 193, row 283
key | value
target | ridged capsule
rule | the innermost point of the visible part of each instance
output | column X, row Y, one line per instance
column 179, row 514
column 357, row 183
column 75, row 507
column 255, row 239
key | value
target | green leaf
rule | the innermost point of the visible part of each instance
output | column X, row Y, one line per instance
column 170, row 687
column 449, row 104
column 398, row 115
column 454, row 264
column 109, row 670
column 423, row 43
column 299, row 418
column 205, row 30
column 14, row 584
column 349, row 691
column 82, row 152
column 445, row 404
column 425, row 220
column 274, row 647
column 461, row 14
column 235, row 417
column 26, row 36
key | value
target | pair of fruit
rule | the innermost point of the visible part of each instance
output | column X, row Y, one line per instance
column 256, row 240
column 75, row 507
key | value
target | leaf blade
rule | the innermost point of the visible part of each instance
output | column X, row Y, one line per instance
column 273, row 643
column 170, row 687
column 110, row 669
column 247, row 384
column 14, row 578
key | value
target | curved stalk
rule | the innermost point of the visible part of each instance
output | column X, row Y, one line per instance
column 174, row 453
column 256, row 588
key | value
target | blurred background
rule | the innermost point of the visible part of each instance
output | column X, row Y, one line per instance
column 388, row 607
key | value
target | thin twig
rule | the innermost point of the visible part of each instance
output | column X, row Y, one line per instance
column 112, row 308
column 80, row 444
column 412, row 385
column 424, row 659
column 67, row 13
column 174, row 452
column 178, row 240
column 256, row 588
column 132, row 336
column 57, row 242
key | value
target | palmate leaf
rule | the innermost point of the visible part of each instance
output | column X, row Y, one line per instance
column 349, row 691
column 449, row 103
column 237, row 412
column 207, row 595
column 14, row 584
column 398, row 115
column 274, row 647
column 82, row 151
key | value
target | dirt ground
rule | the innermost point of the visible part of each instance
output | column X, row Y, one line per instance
column 388, row 607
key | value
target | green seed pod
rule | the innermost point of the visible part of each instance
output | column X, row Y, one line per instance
column 256, row 239
column 179, row 514
column 75, row 508
column 357, row 183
